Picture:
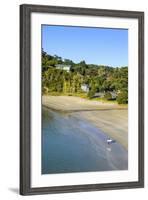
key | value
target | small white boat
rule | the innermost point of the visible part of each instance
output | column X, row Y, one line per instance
column 110, row 141
column 109, row 149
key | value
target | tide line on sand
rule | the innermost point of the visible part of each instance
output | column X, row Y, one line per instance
column 112, row 119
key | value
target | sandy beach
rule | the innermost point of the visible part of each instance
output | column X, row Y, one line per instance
column 71, row 103
column 111, row 118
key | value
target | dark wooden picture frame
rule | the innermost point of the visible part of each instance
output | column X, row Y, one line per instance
column 25, row 96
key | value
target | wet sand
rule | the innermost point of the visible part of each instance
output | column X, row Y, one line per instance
column 112, row 119
column 112, row 122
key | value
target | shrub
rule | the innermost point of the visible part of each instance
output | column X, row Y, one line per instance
column 45, row 90
column 122, row 97
column 91, row 94
column 108, row 96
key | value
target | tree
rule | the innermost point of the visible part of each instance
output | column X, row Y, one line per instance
column 122, row 97
column 92, row 90
column 68, row 62
column 91, row 93
column 99, row 78
column 82, row 63
column 108, row 96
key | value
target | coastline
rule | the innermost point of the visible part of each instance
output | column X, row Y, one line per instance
column 111, row 118
column 113, row 123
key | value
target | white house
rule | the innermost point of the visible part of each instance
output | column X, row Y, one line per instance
column 85, row 87
column 63, row 67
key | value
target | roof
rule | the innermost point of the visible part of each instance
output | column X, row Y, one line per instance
column 62, row 65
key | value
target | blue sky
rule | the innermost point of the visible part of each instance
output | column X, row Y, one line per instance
column 94, row 45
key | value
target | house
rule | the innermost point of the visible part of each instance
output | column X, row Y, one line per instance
column 114, row 94
column 85, row 88
column 102, row 94
column 99, row 94
column 63, row 67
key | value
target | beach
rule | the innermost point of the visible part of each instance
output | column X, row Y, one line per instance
column 111, row 118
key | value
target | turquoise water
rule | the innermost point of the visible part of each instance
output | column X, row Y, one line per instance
column 71, row 144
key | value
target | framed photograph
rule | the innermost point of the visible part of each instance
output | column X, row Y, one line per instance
column 81, row 99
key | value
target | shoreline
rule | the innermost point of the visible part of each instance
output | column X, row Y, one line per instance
column 81, row 110
column 112, row 119
column 109, row 123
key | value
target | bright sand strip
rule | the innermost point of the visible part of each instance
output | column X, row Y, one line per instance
column 110, row 118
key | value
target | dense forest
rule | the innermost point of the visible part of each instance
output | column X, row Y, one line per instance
column 110, row 81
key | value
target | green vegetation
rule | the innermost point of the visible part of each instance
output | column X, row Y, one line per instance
column 100, row 80
column 91, row 94
column 122, row 97
column 108, row 96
